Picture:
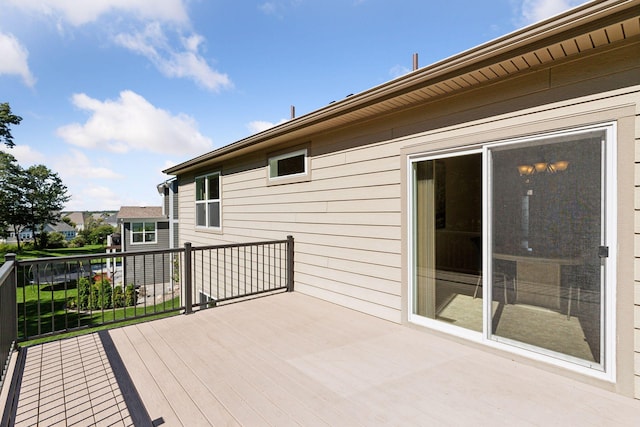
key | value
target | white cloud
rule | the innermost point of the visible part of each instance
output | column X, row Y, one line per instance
column 278, row 7
column 176, row 58
column 186, row 61
column 14, row 59
column 261, row 125
column 399, row 70
column 132, row 123
column 78, row 164
column 167, row 164
column 268, row 8
column 536, row 10
column 79, row 13
column 95, row 197
column 25, row 155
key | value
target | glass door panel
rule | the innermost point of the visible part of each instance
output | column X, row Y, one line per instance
column 447, row 224
column 547, row 222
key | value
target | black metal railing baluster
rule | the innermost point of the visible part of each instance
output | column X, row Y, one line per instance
column 243, row 270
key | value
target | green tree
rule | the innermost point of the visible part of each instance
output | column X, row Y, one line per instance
column 29, row 198
column 45, row 197
column 13, row 214
column 7, row 119
column 98, row 236
column 54, row 239
column 95, row 231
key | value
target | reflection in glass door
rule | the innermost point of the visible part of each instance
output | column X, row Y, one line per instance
column 447, row 204
column 543, row 244
column 547, row 240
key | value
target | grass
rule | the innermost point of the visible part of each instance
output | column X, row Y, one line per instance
column 59, row 252
column 49, row 304
column 43, row 309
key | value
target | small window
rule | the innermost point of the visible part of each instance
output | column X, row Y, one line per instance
column 289, row 164
column 208, row 201
column 143, row 232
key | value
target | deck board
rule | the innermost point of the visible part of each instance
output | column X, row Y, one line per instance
column 293, row 360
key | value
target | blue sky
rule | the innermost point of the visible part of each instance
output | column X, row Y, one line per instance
column 112, row 92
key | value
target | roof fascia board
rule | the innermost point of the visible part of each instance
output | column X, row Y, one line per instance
column 557, row 28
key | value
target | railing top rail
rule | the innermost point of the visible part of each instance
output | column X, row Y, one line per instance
column 239, row 245
column 72, row 258
column 5, row 271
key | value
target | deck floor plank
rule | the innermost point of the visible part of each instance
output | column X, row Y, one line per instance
column 293, row 360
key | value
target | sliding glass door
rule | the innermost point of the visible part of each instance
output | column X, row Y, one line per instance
column 543, row 243
column 448, row 244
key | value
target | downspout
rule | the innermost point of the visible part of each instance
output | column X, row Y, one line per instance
column 123, row 248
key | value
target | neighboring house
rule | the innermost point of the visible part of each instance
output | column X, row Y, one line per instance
column 27, row 234
column 489, row 197
column 78, row 218
column 63, row 228
column 143, row 229
column 111, row 219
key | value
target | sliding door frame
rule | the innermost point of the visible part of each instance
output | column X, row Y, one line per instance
column 606, row 369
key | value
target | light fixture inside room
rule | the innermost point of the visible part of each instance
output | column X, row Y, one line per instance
column 541, row 167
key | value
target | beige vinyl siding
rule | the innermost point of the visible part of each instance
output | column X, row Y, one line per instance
column 344, row 236
column 349, row 221
column 636, row 322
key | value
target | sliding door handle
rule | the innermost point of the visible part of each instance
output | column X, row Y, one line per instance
column 603, row 251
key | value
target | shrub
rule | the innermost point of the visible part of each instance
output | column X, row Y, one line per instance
column 130, row 295
column 78, row 242
column 101, row 295
column 55, row 240
column 84, row 293
column 8, row 248
column 118, row 297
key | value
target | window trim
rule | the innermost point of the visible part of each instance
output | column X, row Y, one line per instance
column 291, row 178
column 132, row 233
column 206, row 201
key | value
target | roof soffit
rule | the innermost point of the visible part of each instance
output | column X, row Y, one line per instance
column 578, row 31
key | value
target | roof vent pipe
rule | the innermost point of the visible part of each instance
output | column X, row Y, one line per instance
column 415, row 61
column 293, row 112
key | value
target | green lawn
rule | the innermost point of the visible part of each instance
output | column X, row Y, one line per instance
column 49, row 304
column 46, row 309
column 44, row 253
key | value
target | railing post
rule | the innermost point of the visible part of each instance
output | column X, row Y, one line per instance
column 290, row 264
column 188, row 291
column 8, row 313
column 14, row 285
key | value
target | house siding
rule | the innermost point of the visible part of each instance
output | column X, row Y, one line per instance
column 636, row 244
column 146, row 270
column 350, row 221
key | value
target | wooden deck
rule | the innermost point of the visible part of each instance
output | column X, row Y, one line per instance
column 290, row 359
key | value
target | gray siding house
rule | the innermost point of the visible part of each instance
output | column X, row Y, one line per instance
column 63, row 228
column 143, row 229
column 492, row 197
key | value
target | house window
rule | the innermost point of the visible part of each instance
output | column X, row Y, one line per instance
column 208, row 201
column 143, row 232
column 512, row 242
column 288, row 164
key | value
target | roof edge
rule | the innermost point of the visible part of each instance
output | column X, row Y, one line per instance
column 559, row 24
